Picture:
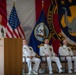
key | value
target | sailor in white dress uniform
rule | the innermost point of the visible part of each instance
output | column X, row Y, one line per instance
column 66, row 51
column 30, row 57
column 47, row 51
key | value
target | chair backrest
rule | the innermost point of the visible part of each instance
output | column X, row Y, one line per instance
column 74, row 52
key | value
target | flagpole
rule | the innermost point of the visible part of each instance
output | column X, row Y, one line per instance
column 14, row 4
column 44, row 25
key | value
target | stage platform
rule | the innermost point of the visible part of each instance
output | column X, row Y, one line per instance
column 53, row 74
column 55, row 70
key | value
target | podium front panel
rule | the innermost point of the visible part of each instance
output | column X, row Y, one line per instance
column 13, row 56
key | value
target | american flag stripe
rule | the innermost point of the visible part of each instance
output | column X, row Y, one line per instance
column 15, row 33
column 18, row 32
column 21, row 31
column 14, row 36
column 9, row 31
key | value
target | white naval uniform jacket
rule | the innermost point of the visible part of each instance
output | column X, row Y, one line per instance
column 64, row 51
column 28, row 51
column 47, row 49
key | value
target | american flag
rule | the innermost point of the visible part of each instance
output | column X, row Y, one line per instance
column 14, row 29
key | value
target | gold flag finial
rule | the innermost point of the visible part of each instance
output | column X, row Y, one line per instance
column 42, row 4
column 13, row 3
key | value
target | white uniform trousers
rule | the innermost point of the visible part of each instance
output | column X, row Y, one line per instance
column 74, row 59
column 56, row 59
column 36, row 65
column 69, row 61
column 49, row 63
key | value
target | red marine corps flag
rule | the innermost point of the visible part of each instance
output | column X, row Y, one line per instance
column 54, row 24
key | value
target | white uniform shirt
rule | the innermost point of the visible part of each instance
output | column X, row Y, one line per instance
column 64, row 51
column 1, row 33
column 28, row 51
column 46, row 49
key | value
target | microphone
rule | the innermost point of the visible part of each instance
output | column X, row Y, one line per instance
column 2, row 31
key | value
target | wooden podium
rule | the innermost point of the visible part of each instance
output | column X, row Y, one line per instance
column 10, row 56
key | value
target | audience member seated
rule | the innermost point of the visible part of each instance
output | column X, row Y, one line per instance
column 48, row 52
column 30, row 57
column 66, row 51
